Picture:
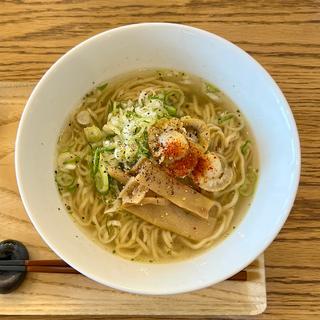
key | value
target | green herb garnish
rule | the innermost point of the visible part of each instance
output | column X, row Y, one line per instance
column 245, row 147
column 225, row 118
column 211, row 88
column 102, row 86
column 172, row 111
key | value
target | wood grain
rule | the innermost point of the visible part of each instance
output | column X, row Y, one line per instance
column 282, row 35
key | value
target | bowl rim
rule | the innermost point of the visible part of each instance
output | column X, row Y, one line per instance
column 288, row 113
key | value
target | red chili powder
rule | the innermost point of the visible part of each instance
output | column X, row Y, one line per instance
column 184, row 166
column 174, row 150
column 202, row 166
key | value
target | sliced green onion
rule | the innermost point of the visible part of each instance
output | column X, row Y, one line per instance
column 65, row 179
column 225, row 118
column 211, row 88
column 159, row 96
column 72, row 188
column 101, row 182
column 110, row 147
column 93, row 134
column 96, row 157
column 102, row 86
column 244, row 148
column 101, row 177
column 95, row 161
column 83, row 118
column 171, row 110
column 67, row 161
column 143, row 150
column 114, row 106
column 143, row 145
column 130, row 114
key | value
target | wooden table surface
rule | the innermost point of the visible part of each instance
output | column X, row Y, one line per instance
column 284, row 36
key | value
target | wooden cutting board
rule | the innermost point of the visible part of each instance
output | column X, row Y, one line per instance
column 53, row 294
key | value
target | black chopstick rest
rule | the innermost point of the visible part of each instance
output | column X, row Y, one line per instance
column 12, row 250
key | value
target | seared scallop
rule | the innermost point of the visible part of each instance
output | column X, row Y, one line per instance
column 167, row 140
column 210, row 174
column 197, row 131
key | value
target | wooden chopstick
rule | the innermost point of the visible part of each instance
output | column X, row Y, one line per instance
column 47, row 266
column 43, row 269
column 240, row 276
column 59, row 266
column 59, row 263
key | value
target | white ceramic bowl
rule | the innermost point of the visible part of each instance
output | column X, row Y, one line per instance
column 154, row 45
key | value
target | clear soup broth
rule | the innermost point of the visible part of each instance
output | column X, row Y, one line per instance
column 156, row 165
